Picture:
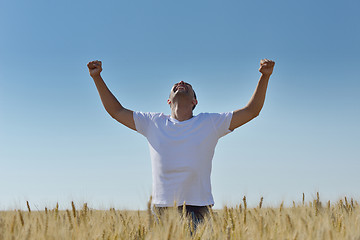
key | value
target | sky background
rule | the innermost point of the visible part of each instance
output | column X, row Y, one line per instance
column 58, row 144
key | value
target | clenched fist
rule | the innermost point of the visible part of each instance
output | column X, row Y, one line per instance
column 94, row 68
column 266, row 66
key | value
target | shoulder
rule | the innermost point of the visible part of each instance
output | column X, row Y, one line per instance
column 144, row 120
column 149, row 115
column 207, row 115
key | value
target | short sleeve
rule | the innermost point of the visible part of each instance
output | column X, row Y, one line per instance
column 221, row 122
column 142, row 121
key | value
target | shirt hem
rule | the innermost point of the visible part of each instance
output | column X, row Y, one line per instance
column 187, row 203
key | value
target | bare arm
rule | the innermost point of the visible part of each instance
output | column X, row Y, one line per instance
column 111, row 104
column 253, row 108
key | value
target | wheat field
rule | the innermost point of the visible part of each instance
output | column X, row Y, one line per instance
column 306, row 220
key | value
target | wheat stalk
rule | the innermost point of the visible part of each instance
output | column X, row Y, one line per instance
column 21, row 218
column 28, row 206
column 73, row 209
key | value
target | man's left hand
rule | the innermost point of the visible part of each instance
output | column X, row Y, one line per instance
column 266, row 66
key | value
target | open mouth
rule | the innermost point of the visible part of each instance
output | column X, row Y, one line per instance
column 177, row 88
column 181, row 87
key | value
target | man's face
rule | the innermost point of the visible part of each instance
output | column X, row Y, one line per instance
column 183, row 89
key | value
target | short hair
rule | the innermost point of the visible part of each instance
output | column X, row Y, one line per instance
column 195, row 98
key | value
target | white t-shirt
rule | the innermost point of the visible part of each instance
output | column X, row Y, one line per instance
column 181, row 155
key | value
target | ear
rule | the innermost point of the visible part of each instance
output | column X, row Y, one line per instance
column 195, row 102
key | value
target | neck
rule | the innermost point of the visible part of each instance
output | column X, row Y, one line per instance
column 181, row 113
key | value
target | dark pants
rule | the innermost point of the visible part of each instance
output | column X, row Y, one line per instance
column 196, row 213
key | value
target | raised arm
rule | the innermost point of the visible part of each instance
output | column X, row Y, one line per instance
column 111, row 104
column 253, row 108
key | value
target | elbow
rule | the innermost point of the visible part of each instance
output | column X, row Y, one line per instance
column 254, row 113
column 111, row 113
column 116, row 114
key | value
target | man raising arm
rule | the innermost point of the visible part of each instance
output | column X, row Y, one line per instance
column 253, row 108
column 182, row 145
column 111, row 104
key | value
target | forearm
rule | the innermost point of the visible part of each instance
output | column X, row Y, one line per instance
column 253, row 108
column 257, row 100
column 109, row 101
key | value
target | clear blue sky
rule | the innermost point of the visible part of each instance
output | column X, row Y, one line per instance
column 57, row 143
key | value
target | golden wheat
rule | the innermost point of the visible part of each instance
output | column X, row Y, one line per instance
column 311, row 220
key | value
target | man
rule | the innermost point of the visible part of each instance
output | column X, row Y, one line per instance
column 182, row 145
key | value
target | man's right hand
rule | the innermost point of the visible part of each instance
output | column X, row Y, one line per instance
column 94, row 68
